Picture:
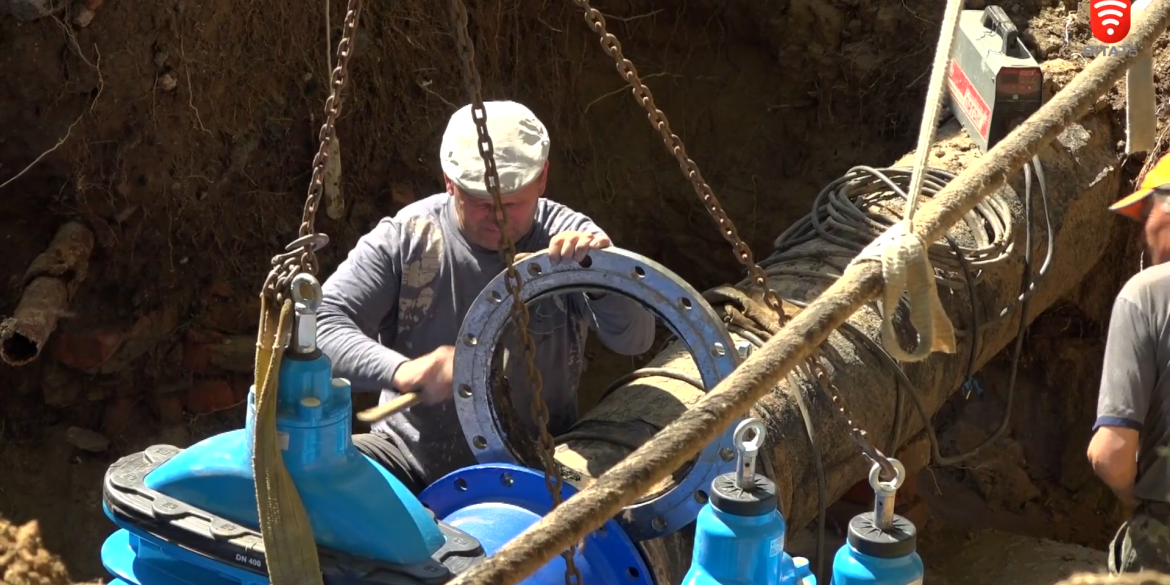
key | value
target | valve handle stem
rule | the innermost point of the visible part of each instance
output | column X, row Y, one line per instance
column 885, row 493
column 748, row 438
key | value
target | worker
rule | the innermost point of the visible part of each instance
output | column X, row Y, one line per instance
column 391, row 312
column 1133, row 407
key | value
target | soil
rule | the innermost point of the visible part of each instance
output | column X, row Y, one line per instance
column 182, row 133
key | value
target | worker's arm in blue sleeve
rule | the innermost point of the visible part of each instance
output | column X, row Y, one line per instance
column 621, row 323
column 359, row 298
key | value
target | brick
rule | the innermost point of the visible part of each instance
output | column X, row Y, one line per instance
column 208, row 396
column 87, row 440
column 60, row 386
column 237, row 353
column 195, row 335
column 122, row 385
column 148, row 332
column 168, row 407
column 86, row 350
column 117, row 416
column 232, row 316
column 197, row 357
column 220, row 287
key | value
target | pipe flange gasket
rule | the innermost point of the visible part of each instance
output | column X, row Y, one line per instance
column 676, row 303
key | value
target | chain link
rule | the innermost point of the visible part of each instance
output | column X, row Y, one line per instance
column 626, row 69
column 815, row 371
column 743, row 253
column 552, row 473
column 300, row 255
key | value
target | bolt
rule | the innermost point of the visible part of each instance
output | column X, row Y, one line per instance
column 744, row 348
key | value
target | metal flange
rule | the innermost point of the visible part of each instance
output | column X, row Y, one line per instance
column 613, row 270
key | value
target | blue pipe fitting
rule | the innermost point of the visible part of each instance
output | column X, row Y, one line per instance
column 495, row 502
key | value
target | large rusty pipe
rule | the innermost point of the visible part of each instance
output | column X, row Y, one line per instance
column 1082, row 179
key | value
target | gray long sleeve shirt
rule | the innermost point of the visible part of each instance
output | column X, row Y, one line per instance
column 403, row 292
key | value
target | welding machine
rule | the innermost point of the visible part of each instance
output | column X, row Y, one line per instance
column 994, row 82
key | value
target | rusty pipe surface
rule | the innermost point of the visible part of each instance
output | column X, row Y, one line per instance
column 1082, row 179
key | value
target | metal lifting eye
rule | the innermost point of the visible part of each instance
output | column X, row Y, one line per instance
column 748, row 438
column 305, row 290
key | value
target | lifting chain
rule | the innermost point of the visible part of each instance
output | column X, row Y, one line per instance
column 552, row 475
column 301, row 254
column 596, row 21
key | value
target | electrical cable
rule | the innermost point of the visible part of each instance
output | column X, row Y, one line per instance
column 994, row 249
column 839, row 217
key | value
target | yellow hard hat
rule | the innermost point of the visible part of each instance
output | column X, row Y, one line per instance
column 1135, row 205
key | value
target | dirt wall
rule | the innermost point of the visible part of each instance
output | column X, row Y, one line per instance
column 190, row 129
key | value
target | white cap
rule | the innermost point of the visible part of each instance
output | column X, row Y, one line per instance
column 519, row 142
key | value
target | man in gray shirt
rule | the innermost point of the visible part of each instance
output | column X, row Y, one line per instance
column 392, row 310
column 1133, row 407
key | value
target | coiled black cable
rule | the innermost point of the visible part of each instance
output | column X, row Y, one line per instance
column 844, row 214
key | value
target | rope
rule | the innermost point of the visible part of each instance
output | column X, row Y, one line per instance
column 290, row 551
column 902, row 253
column 734, row 396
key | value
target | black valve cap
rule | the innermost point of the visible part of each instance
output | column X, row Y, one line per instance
column 867, row 538
column 757, row 499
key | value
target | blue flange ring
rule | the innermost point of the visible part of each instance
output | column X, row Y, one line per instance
column 496, row 502
column 676, row 303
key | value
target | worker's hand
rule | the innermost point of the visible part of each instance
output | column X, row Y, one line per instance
column 431, row 374
column 574, row 246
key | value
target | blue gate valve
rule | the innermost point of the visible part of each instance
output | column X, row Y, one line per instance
column 189, row 516
column 881, row 546
column 739, row 534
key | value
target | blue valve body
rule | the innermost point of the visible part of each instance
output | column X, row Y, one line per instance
column 732, row 549
column 854, row 568
column 354, row 505
column 344, row 493
column 873, row 556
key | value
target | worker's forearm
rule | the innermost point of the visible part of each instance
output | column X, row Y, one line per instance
column 1125, row 495
column 1119, row 476
column 367, row 364
column 623, row 324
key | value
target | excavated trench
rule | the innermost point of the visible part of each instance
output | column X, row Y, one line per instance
column 181, row 133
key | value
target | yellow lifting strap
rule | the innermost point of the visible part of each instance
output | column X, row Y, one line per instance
column 290, row 552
